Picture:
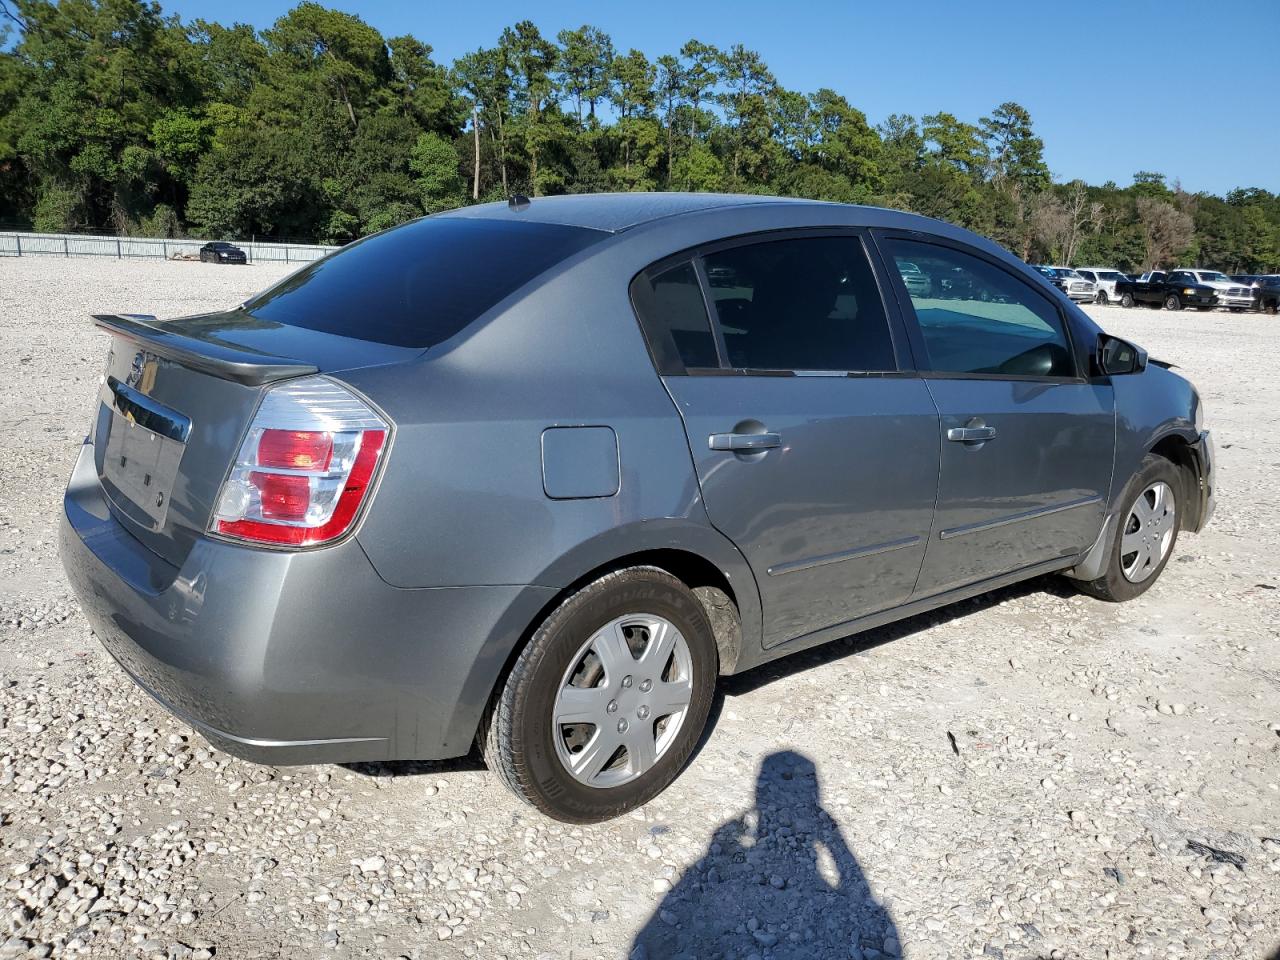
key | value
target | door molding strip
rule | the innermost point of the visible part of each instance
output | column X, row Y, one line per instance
column 811, row 562
column 1017, row 518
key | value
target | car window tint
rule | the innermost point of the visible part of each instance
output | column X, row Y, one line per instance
column 674, row 318
column 977, row 318
column 806, row 304
column 420, row 283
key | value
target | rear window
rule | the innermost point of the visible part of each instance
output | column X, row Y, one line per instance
column 418, row 284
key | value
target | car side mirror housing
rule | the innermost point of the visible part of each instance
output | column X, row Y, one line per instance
column 1115, row 356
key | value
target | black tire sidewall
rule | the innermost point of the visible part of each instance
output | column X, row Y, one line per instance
column 556, row 643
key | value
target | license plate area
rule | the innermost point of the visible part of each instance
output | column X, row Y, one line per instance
column 144, row 444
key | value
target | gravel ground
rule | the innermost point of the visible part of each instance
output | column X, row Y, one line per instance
column 1032, row 774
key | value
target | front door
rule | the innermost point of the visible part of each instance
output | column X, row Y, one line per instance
column 1027, row 441
column 816, row 453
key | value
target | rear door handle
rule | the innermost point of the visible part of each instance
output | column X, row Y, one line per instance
column 966, row 434
column 743, row 441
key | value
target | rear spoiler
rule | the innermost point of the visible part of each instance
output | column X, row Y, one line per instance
column 229, row 363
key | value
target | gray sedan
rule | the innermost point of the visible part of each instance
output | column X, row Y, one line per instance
column 532, row 476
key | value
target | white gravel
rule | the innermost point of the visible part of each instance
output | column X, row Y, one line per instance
column 1034, row 774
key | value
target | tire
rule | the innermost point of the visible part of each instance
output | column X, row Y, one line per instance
column 531, row 753
column 1171, row 302
column 1101, row 299
column 1271, row 307
column 1126, row 300
column 1116, row 584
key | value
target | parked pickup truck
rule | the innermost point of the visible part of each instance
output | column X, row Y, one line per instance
column 1173, row 291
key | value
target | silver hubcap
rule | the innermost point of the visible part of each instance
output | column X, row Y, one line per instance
column 1148, row 532
column 623, row 700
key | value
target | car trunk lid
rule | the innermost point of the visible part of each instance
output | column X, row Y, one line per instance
column 176, row 399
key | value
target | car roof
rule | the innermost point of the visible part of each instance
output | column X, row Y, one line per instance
column 615, row 212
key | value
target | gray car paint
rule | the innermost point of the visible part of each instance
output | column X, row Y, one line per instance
column 389, row 644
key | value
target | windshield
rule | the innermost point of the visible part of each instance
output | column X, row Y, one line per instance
column 1213, row 275
column 418, row 284
column 1110, row 275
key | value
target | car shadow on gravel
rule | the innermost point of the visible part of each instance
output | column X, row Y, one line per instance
column 751, row 680
column 778, row 877
column 858, row 643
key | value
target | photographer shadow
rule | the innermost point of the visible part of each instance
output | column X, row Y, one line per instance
column 778, row 881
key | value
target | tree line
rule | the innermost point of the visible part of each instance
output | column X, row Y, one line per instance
column 117, row 117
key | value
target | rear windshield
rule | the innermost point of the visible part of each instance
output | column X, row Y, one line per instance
column 418, row 284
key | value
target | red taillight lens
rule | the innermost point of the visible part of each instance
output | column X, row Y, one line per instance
column 284, row 496
column 305, row 467
column 295, row 449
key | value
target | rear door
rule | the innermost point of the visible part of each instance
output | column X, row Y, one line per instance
column 1027, row 441
column 815, row 443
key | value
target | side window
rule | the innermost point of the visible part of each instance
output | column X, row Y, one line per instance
column 805, row 304
column 977, row 318
column 674, row 318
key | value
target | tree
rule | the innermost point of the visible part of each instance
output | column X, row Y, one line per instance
column 1016, row 153
column 585, row 63
column 1166, row 232
column 434, row 163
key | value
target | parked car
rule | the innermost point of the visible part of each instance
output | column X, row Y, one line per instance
column 1269, row 294
column 914, row 279
column 1234, row 296
column 1104, row 279
column 523, row 476
column 220, row 251
column 1069, row 282
column 1173, row 291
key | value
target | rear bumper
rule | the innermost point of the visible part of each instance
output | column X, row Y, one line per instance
column 288, row 658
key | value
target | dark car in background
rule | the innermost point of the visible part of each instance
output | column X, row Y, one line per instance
column 534, row 476
column 1268, row 291
column 219, row 251
column 1173, row 291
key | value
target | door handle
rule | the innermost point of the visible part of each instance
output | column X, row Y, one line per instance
column 968, row 434
column 743, row 441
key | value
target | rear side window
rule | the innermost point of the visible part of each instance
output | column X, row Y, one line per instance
column 418, row 284
column 674, row 318
column 804, row 304
column 977, row 318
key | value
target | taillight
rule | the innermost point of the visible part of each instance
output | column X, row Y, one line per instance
column 305, row 467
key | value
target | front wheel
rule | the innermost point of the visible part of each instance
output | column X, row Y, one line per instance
column 607, row 701
column 1126, row 300
column 1101, row 298
column 1172, row 302
column 1147, row 534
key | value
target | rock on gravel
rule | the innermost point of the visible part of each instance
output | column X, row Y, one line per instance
column 829, row 814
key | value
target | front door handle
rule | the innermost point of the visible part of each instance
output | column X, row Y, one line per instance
column 743, row 441
column 968, row 434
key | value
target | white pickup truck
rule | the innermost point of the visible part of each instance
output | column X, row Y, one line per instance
column 1105, row 279
column 1231, row 294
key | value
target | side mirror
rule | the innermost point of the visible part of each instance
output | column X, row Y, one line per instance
column 1115, row 356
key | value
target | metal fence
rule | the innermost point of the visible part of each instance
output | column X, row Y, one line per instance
column 22, row 244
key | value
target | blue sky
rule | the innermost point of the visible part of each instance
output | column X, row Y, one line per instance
column 1187, row 89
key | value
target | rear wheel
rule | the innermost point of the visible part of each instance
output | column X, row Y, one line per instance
column 1172, row 302
column 1126, row 300
column 606, row 703
column 1147, row 533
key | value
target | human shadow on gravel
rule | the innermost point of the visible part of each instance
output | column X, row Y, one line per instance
column 779, row 878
